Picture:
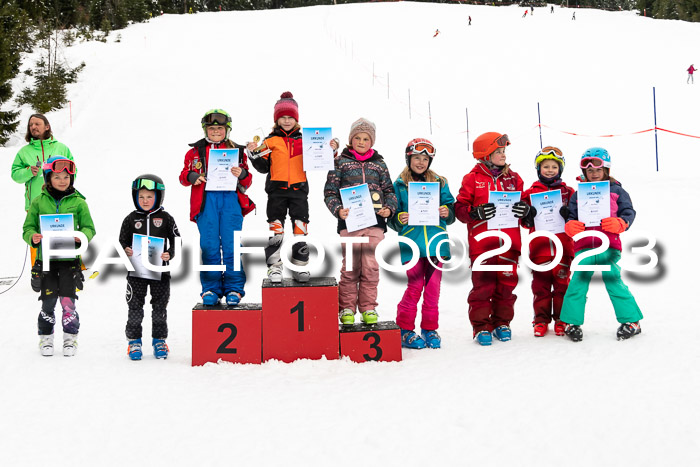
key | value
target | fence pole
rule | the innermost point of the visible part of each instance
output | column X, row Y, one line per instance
column 539, row 123
column 467, row 110
column 656, row 134
column 430, row 118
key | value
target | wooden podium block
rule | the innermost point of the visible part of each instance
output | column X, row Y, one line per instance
column 379, row 342
column 228, row 333
column 300, row 319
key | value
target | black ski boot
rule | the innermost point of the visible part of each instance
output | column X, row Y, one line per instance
column 574, row 332
column 627, row 330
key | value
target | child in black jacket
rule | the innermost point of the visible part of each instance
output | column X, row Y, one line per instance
column 151, row 220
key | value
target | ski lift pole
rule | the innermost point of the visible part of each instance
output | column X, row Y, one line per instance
column 656, row 134
column 539, row 123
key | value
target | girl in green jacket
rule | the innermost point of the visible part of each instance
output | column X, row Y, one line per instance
column 63, row 276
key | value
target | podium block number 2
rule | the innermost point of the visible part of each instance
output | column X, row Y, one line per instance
column 373, row 345
column 224, row 348
column 299, row 308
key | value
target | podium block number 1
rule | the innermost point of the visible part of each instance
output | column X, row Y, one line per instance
column 299, row 308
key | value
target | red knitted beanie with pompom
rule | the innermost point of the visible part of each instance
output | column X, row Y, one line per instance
column 286, row 106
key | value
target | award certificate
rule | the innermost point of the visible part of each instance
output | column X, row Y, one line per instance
column 548, row 205
column 156, row 247
column 59, row 223
column 504, row 201
column 424, row 203
column 219, row 176
column 361, row 214
column 318, row 154
column 593, row 202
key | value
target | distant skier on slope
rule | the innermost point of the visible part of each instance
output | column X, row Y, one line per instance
column 691, row 70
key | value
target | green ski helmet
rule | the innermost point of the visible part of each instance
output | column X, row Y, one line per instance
column 216, row 117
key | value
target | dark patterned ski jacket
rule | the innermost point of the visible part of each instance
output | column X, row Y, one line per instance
column 350, row 172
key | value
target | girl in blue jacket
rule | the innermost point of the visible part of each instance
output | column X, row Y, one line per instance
column 424, row 278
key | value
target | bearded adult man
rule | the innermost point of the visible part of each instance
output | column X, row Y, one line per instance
column 28, row 165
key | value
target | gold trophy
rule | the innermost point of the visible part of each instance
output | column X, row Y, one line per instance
column 261, row 150
column 377, row 200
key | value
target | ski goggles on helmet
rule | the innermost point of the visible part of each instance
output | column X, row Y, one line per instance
column 502, row 141
column 421, row 147
column 551, row 153
column 594, row 162
column 59, row 165
column 147, row 184
column 216, row 118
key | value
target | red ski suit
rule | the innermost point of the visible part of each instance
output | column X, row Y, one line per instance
column 491, row 299
column 549, row 287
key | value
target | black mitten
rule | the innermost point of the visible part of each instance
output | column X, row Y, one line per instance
column 529, row 220
column 564, row 212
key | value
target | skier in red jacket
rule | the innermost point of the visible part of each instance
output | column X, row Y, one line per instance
column 491, row 299
column 549, row 287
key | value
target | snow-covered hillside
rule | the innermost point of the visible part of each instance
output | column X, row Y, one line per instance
column 530, row 401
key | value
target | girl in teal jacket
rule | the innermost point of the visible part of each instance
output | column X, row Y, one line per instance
column 62, row 276
column 424, row 278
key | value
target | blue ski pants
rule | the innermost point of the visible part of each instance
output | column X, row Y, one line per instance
column 218, row 220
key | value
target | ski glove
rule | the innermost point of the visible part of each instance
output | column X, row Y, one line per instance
column 521, row 209
column 614, row 225
column 574, row 227
column 483, row 212
column 564, row 212
column 529, row 219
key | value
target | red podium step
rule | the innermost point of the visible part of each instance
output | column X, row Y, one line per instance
column 379, row 342
column 228, row 333
column 300, row 319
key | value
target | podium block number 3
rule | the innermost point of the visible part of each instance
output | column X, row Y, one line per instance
column 224, row 348
column 374, row 345
column 299, row 308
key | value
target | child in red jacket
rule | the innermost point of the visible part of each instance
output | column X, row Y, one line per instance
column 491, row 299
column 549, row 287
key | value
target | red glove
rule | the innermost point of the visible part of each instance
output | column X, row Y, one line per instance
column 574, row 227
column 614, row 225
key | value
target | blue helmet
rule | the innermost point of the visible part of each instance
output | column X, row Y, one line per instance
column 599, row 157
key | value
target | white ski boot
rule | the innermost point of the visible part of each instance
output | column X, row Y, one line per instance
column 70, row 344
column 301, row 276
column 274, row 273
column 46, row 345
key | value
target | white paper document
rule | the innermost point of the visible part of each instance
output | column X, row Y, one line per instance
column 361, row 214
column 219, row 176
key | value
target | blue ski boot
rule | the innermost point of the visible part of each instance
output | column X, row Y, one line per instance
column 134, row 350
column 502, row 333
column 233, row 299
column 431, row 338
column 483, row 337
column 210, row 298
column 160, row 348
column 411, row 340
